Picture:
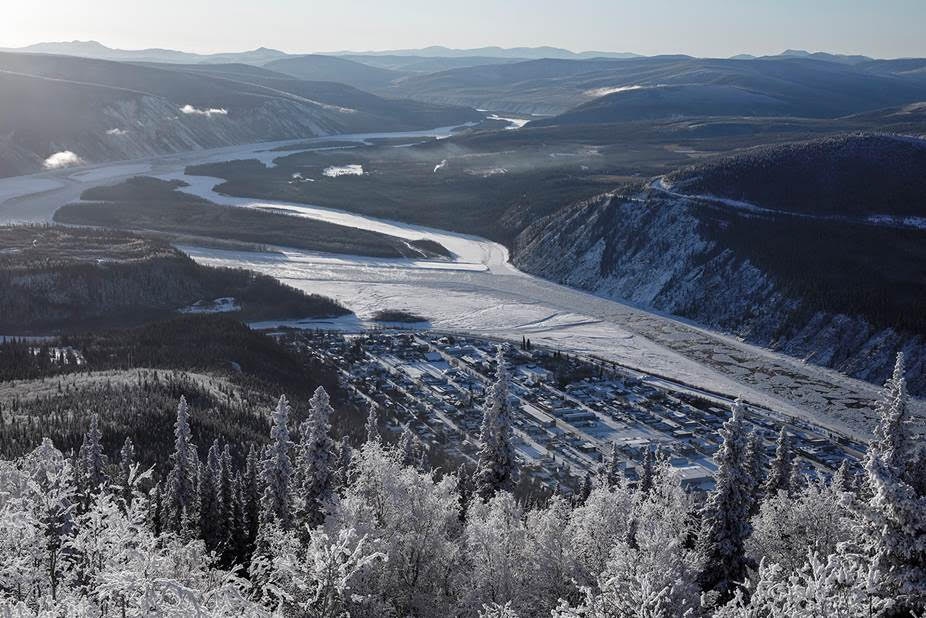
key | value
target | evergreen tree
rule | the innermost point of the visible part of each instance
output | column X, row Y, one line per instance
column 229, row 491
column 646, row 478
column 755, row 462
column 212, row 511
column 610, row 472
column 126, row 461
column 896, row 506
column 372, row 426
column 585, row 490
column 779, row 475
column 842, row 478
column 316, row 460
column 277, row 471
column 250, row 497
column 406, row 447
column 180, row 499
column 464, row 491
column 156, row 509
column 94, row 459
column 725, row 516
column 496, row 457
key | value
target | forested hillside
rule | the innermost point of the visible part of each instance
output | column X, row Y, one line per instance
column 825, row 261
column 55, row 279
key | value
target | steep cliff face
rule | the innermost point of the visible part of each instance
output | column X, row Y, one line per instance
column 676, row 255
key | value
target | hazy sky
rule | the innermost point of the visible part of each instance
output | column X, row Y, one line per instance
column 882, row 28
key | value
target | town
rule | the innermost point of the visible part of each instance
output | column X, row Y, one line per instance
column 571, row 416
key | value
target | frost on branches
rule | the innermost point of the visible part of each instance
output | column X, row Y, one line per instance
column 262, row 530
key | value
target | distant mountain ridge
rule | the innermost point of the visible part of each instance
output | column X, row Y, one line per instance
column 94, row 111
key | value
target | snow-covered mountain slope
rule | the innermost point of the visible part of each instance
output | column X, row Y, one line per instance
column 760, row 277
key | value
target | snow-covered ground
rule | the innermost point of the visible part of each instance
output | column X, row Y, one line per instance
column 19, row 186
column 219, row 305
column 480, row 292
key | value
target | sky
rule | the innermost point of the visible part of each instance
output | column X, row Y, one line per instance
column 716, row 28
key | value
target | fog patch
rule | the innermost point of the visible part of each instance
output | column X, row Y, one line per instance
column 208, row 113
column 343, row 170
column 62, row 159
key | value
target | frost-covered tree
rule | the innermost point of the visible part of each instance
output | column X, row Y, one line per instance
column 494, row 540
column 896, row 509
column 180, row 496
column 406, row 446
column 277, row 471
column 312, row 579
column 316, row 461
column 126, row 461
column 213, row 524
column 646, row 476
column 495, row 466
column 250, row 497
column 372, row 425
column 655, row 575
column 596, row 527
column 585, row 489
column 835, row 587
column 95, row 461
column 755, row 461
column 413, row 518
column 610, row 472
column 725, row 516
column 788, row 526
column 780, row 471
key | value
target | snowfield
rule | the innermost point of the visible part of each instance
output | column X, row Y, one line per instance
column 479, row 292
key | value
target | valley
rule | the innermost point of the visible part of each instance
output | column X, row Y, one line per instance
column 480, row 292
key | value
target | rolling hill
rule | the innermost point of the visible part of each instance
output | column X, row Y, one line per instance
column 334, row 69
column 100, row 110
column 786, row 86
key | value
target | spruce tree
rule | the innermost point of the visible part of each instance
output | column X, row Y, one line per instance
column 250, row 497
column 755, row 462
column 896, row 508
column 646, row 478
column 212, row 524
column 126, row 461
column 779, row 475
column 372, row 426
column 316, row 460
column 496, row 456
column 94, row 459
column 725, row 516
column 180, row 491
column 277, row 471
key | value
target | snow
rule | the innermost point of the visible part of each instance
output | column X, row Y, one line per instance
column 478, row 291
column 662, row 185
column 111, row 171
column 513, row 123
column 334, row 171
column 219, row 305
column 19, row 186
column 600, row 92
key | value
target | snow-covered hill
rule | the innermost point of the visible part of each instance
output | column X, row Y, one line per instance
column 704, row 262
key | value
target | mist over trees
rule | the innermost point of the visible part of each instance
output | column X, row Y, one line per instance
column 295, row 528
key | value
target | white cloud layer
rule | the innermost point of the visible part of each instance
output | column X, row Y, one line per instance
column 65, row 158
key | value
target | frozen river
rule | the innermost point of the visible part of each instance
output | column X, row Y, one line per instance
column 480, row 292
